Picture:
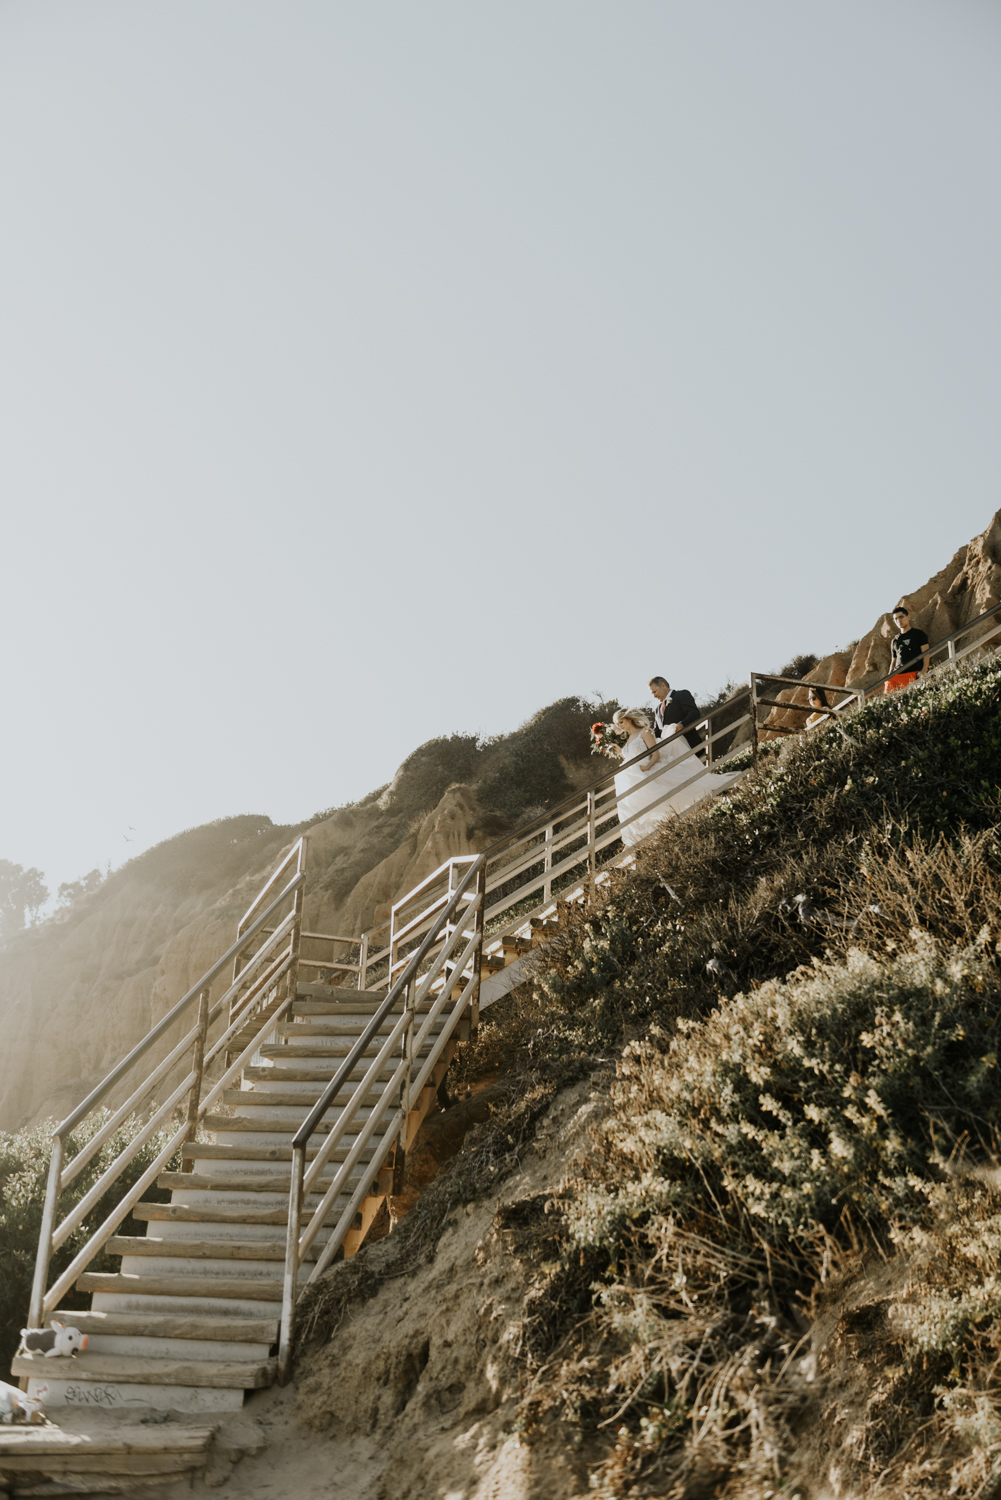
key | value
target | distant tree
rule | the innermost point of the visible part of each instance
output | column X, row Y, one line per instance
column 72, row 890
column 799, row 666
column 21, row 891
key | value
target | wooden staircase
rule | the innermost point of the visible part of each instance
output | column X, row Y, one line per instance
column 284, row 1117
column 191, row 1319
column 313, row 1088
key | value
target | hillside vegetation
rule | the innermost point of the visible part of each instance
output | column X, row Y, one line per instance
column 807, row 976
column 777, row 1266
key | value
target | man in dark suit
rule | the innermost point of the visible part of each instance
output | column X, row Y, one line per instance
column 675, row 706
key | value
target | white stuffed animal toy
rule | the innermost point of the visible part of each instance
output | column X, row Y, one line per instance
column 15, row 1406
column 56, row 1341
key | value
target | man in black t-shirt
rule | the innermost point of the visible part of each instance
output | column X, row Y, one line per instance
column 908, row 651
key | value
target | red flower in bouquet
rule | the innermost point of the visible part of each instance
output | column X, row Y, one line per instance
column 606, row 739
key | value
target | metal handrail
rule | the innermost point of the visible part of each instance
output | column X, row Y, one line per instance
column 426, row 926
column 578, row 812
column 554, row 813
column 948, row 643
column 404, row 986
column 856, row 696
column 262, row 981
column 118, row 1072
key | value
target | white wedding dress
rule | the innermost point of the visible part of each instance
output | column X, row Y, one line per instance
column 637, row 790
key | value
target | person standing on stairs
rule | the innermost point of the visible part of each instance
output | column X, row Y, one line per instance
column 635, row 788
column 675, row 708
column 908, row 652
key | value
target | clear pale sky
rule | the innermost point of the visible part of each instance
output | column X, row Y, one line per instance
column 374, row 371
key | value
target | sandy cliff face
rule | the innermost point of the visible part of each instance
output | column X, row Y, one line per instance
column 964, row 589
column 77, row 995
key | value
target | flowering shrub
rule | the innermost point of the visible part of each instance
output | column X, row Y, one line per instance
column 843, row 1087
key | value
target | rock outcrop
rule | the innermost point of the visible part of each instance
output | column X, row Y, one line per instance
column 968, row 586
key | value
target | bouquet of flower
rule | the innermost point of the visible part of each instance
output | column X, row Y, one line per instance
column 606, row 739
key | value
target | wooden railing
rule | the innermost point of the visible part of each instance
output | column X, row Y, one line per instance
column 265, row 963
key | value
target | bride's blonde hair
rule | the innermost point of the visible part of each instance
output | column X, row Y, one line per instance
column 641, row 717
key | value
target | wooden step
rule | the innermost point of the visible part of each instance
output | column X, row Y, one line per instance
column 336, row 1008
column 272, row 1125
column 343, row 1027
column 233, row 1182
column 289, row 1099
column 163, row 1438
column 336, row 1051
column 146, row 1245
column 142, row 1370
column 223, row 1151
column 339, row 992
column 237, row 1330
column 163, row 1449
column 319, row 1074
column 212, row 1213
column 77, row 1464
column 246, row 1288
column 236, row 1213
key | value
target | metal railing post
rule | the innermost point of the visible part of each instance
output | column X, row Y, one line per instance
column 480, row 928
column 292, row 982
column 35, row 1308
column 291, row 1285
column 407, row 1052
column 754, row 718
column 363, row 963
column 198, row 1068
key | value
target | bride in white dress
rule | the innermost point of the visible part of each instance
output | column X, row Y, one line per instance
column 635, row 788
column 670, row 776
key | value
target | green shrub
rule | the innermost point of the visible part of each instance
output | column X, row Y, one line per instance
column 427, row 773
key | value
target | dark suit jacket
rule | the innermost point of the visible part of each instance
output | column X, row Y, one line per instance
column 679, row 707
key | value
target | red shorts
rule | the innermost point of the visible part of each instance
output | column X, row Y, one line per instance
column 900, row 681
